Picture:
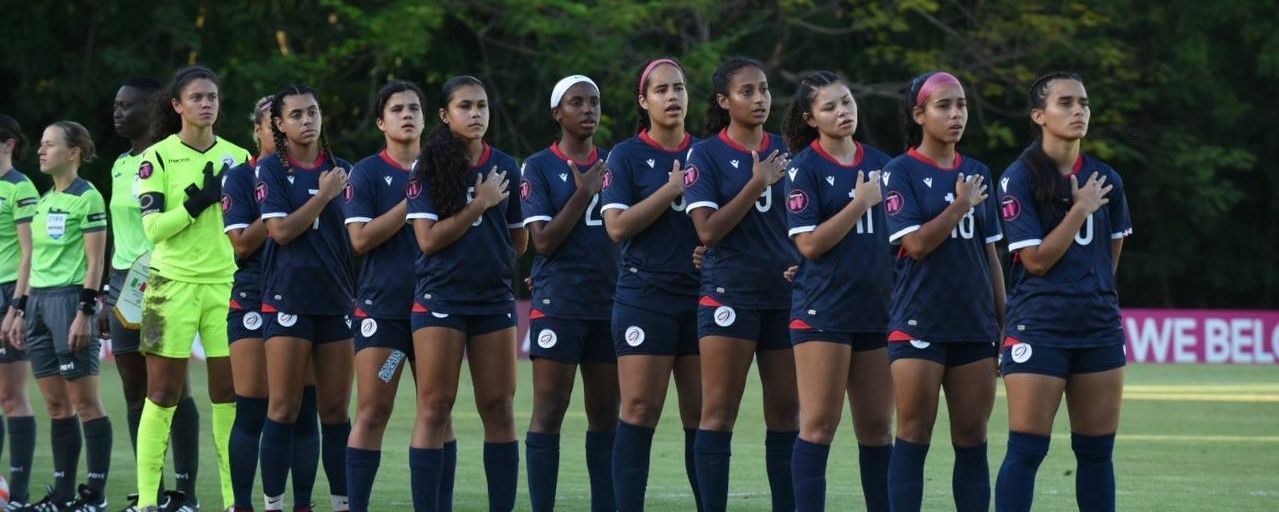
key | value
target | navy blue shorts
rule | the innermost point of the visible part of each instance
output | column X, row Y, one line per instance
column 392, row 333
column 243, row 324
column 639, row 331
column 571, row 341
column 860, row 341
column 1017, row 357
column 313, row 328
column 949, row 354
column 766, row 327
column 471, row 325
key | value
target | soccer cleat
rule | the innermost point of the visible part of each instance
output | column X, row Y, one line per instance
column 132, row 500
column 176, row 501
column 339, row 503
column 273, row 503
column 14, row 506
column 88, row 501
column 46, row 504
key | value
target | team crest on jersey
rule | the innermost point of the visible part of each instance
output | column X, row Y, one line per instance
column 285, row 319
column 725, row 316
column 1009, row 208
column 526, row 189
column 796, row 201
column 547, row 338
column 145, row 170
column 413, row 188
column 634, row 335
column 368, row 327
column 226, row 203
column 690, row 175
column 1020, row 352
column 260, row 192
column 252, row 320
column 893, row 202
column 607, row 180
column 228, row 160
column 928, row 182
column 57, row 225
column 734, row 163
column 349, row 192
column 564, row 177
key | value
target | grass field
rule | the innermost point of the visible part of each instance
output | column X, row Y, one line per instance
column 1192, row 438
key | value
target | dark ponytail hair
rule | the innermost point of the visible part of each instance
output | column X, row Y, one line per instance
column 384, row 94
column 164, row 121
column 78, row 137
column 717, row 118
column 281, row 142
column 795, row 130
column 642, row 120
column 10, row 129
column 1045, row 179
column 443, row 162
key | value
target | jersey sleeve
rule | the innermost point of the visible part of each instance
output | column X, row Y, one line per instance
column 1120, row 221
column 802, row 205
column 160, row 221
column 535, row 195
column 617, row 191
column 238, row 210
column 272, row 194
column 359, row 203
column 514, row 213
column 990, row 227
column 94, row 213
column 904, row 213
column 420, row 204
column 701, row 184
column 23, row 203
column 1017, row 209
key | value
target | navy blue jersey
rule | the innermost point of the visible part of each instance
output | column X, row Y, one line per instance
column 1074, row 304
column 312, row 274
column 947, row 296
column 847, row 288
column 660, row 256
column 746, row 267
column 473, row 275
column 239, row 210
column 577, row 280
column 378, row 183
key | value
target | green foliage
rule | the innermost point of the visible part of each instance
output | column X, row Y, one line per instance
column 1179, row 89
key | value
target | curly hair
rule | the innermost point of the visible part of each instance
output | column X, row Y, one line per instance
column 716, row 117
column 795, row 130
column 281, row 142
column 164, row 121
column 443, row 163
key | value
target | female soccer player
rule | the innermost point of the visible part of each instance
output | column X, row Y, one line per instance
column 1067, row 336
column 247, row 232
column 192, row 266
column 948, row 299
column 18, row 199
column 306, row 291
column 731, row 187
column 575, row 270
column 655, row 305
column 839, row 309
column 463, row 213
column 131, row 115
column 376, row 212
column 68, row 234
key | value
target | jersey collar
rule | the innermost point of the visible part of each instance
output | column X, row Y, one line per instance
column 763, row 143
column 959, row 160
column 857, row 161
column 595, row 155
column 386, row 157
column 319, row 163
column 484, row 157
column 644, row 136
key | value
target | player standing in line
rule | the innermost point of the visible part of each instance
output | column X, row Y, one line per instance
column 948, row 300
column 655, row 305
column 1064, row 334
column 131, row 114
column 734, row 199
column 575, row 270
column 840, row 304
column 307, row 292
column 191, row 270
column 244, row 227
column 462, row 214
column 18, row 200
column 376, row 220
column 68, row 234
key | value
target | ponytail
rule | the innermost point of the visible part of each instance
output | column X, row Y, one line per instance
column 797, row 133
column 716, row 117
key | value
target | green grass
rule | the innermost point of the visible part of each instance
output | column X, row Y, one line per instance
column 1192, row 438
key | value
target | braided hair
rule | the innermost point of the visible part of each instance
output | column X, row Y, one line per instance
column 443, row 163
column 1045, row 179
column 795, row 130
column 281, row 142
column 643, row 122
column 164, row 121
column 717, row 118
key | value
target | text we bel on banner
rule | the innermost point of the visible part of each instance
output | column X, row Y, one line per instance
column 1190, row 336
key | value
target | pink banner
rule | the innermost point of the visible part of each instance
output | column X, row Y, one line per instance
column 1189, row 336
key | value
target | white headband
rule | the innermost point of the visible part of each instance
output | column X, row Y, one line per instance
column 562, row 86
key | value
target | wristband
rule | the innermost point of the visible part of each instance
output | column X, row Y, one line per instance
column 88, row 300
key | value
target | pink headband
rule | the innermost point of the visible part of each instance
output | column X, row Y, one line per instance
column 652, row 65
column 935, row 81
